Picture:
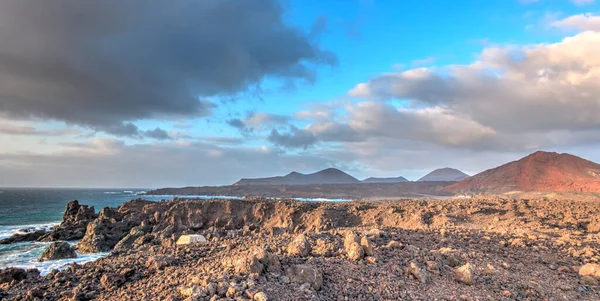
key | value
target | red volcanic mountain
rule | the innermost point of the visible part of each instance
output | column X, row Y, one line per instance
column 540, row 171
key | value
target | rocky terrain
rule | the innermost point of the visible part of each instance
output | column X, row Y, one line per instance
column 487, row 248
column 444, row 174
column 540, row 171
column 330, row 191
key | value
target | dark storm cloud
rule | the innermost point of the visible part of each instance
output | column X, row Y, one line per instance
column 106, row 64
column 295, row 138
column 158, row 134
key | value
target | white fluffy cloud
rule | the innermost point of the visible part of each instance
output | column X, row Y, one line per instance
column 579, row 22
column 510, row 97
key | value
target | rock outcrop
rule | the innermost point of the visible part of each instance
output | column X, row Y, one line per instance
column 24, row 235
column 58, row 250
column 15, row 274
column 74, row 223
column 112, row 225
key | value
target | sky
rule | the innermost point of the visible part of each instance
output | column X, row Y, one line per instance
column 137, row 93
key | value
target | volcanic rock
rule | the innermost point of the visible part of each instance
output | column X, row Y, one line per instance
column 464, row 274
column 9, row 274
column 74, row 223
column 112, row 280
column 302, row 273
column 367, row 246
column 111, row 226
column 300, row 246
column 591, row 270
column 58, row 250
column 25, row 235
column 417, row 272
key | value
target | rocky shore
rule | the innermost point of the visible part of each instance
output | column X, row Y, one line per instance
column 478, row 249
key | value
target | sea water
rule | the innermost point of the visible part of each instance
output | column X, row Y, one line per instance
column 30, row 209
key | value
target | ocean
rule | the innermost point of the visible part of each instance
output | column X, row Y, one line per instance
column 36, row 208
column 28, row 209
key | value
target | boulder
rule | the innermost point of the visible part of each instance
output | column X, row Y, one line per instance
column 260, row 296
column 130, row 239
column 302, row 273
column 590, row 270
column 9, row 274
column 74, row 223
column 355, row 251
column 464, row 274
column 111, row 280
column 300, row 246
column 417, row 272
column 367, row 245
column 248, row 265
column 190, row 238
column 192, row 291
column 350, row 239
column 58, row 250
column 159, row 262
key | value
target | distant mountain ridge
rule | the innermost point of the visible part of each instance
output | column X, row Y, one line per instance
column 385, row 180
column 540, row 171
column 325, row 176
column 444, row 175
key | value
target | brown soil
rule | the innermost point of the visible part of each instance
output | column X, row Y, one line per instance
column 459, row 249
column 540, row 171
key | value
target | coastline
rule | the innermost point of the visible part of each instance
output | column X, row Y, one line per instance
column 415, row 249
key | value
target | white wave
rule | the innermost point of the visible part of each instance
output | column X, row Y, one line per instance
column 127, row 191
column 7, row 231
column 26, row 256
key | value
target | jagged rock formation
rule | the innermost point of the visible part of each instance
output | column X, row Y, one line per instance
column 325, row 176
column 58, row 250
column 540, row 171
column 444, row 175
column 74, row 223
column 112, row 225
column 25, row 236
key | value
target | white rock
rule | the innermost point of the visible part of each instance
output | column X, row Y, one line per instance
column 191, row 238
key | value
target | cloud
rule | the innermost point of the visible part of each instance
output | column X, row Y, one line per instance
column 294, row 138
column 580, row 22
column 257, row 122
column 512, row 98
column 28, row 130
column 106, row 64
column 112, row 163
column 158, row 134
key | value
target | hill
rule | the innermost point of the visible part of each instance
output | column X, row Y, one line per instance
column 444, row 174
column 540, row 171
column 325, row 176
column 385, row 180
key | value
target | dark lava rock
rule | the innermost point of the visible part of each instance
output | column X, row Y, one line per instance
column 58, row 250
column 74, row 223
column 112, row 225
column 15, row 274
column 21, row 237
